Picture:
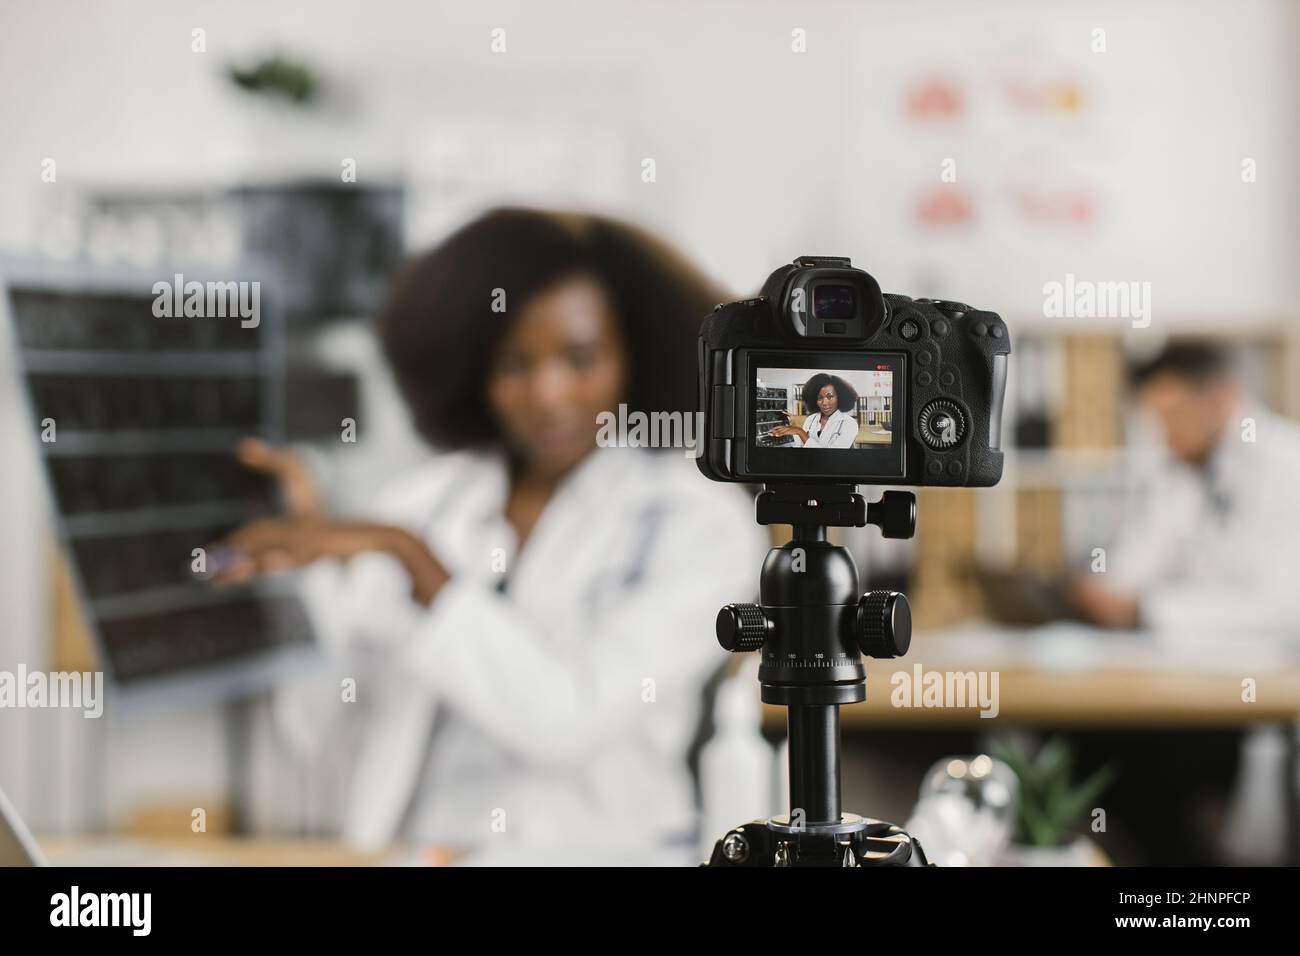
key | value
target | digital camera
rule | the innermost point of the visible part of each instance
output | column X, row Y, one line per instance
column 824, row 379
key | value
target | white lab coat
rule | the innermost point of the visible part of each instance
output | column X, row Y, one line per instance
column 841, row 431
column 562, row 709
column 1217, row 553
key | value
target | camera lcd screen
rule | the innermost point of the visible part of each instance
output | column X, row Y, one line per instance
column 839, row 417
column 833, row 301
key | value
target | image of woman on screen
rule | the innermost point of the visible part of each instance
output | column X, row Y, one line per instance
column 828, row 401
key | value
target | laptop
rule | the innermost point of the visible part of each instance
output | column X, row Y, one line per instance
column 1023, row 599
column 17, row 848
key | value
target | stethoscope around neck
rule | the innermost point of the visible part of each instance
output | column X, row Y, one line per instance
column 817, row 416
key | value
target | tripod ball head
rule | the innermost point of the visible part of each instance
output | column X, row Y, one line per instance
column 883, row 624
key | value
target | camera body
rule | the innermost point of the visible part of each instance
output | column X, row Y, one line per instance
column 824, row 379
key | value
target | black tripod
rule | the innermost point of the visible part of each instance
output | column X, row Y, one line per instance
column 813, row 629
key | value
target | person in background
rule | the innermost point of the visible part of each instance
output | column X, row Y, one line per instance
column 1208, row 562
column 1215, row 548
column 539, row 609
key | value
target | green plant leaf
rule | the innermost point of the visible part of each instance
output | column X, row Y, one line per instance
column 1038, row 827
column 1051, row 804
column 276, row 76
column 1053, row 760
column 1086, row 793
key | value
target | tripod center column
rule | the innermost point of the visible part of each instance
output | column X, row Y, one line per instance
column 815, row 762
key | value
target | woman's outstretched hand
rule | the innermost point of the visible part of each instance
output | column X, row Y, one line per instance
column 790, row 430
column 305, row 534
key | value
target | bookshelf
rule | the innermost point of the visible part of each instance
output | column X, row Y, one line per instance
column 770, row 412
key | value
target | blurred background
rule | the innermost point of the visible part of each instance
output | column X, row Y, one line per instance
column 966, row 152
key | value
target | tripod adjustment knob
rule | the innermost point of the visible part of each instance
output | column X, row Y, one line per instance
column 742, row 627
column 894, row 514
column 884, row 624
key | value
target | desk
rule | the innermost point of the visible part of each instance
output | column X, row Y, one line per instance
column 224, row 850
column 213, row 850
column 1074, row 677
column 873, row 435
column 1102, row 698
column 1070, row 676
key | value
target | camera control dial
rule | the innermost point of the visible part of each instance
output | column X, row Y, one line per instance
column 942, row 424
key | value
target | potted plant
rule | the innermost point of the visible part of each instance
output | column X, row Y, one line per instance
column 277, row 77
column 1052, row 806
column 291, row 116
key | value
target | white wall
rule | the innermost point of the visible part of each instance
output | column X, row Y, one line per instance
column 762, row 153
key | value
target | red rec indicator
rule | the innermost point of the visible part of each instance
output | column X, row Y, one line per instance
column 883, row 368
